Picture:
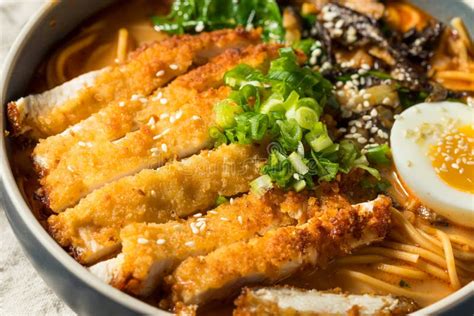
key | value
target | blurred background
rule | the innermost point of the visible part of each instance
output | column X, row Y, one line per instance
column 22, row 291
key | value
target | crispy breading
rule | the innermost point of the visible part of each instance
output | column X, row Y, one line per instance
column 119, row 118
column 84, row 169
column 150, row 251
column 91, row 229
column 53, row 111
column 280, row 252
column 289, row 301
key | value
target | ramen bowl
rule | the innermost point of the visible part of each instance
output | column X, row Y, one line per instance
column 81, row 290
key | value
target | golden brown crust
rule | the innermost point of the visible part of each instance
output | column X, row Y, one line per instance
column 135, row 76
column 154, row 196
column 244, row 218
column 85, row 168
column 119, row 118
column 264, row 301
column 280, row 252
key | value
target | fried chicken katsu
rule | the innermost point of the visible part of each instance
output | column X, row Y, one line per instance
column 281, row 252
column 182, row 133
column 148, row 68
column 120, row 118
column 293, row 301
column 91, row 229
column 151, row 251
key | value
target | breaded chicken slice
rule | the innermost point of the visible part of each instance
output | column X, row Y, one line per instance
column 148, row 68
column 151, row 251
column 280, row 252
column 294, row 301
column 119, row 118
column 87, row 168
column 91, row 229
column 180, row 134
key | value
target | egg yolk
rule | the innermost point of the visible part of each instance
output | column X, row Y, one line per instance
column 453, row 158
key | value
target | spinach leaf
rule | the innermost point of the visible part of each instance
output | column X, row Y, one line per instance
column 194, row 16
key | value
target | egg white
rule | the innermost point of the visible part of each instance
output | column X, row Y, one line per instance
column 415, row 167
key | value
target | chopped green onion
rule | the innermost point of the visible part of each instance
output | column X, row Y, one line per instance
column 300, row 185
column 298, row 163
column 261, row 185
column 221, row 200
column 225, row 112
column 241, row 75
column 374, row 172
column 274, row 103
column 306, row 117
column 292, row 100
column 379, row 154
column 218, row 137
column 321, row 142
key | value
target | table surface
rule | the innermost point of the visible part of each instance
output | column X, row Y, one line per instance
column 22, row 291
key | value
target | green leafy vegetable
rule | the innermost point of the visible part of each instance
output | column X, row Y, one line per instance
column 221, row 200
column 189, row 16
column 379, row 154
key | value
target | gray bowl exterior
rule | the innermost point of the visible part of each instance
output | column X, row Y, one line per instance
column 84, row 293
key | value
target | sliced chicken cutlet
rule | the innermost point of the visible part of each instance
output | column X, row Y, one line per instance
column 294, row 301
column 281, row 252
column 148, row 68
column 91, row 229
column 119, row 118
column 151, row 251
column 182, row 133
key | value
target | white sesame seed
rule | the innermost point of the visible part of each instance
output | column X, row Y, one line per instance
column 151, row 121
column 213, row 212
column 121, row 104
column 160, row 241
column 173, row 67
column 179, row 114
column 197, row 215
column 163, row 101
column 70, row 168
column 373, row 113
column 195, row 117
column 240, row 220
column 135, row 97
column 339, row 24
column 164, row 147
column 199, row 27
column 189, row 243
column 142, row 241
column 194, row 229
column 225, row 219
column 160, row 73
column 163, row 116
column 156, row 137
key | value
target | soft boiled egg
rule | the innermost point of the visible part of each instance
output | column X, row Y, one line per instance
column 433, row 151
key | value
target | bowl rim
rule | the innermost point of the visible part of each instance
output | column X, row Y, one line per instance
column 22, row 208
column 73, row 267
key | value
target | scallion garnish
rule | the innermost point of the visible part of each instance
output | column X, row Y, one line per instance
column 261, row 185
column 284, row 107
